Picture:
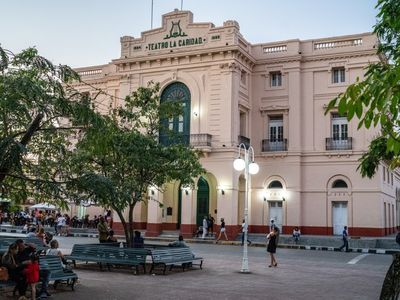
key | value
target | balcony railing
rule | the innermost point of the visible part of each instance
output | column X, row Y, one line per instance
column 244, row 140
column 342, row 144
column 274, row 145
column 168, row 140
column 200, row 140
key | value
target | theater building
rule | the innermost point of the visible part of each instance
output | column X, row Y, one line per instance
column 271, row 96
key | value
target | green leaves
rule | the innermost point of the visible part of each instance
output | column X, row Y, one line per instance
column 39, row 117
column 375, row 100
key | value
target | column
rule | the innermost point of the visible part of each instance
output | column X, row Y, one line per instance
column 154, row 214
column 188, row 214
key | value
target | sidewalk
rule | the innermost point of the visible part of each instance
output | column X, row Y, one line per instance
column 376, row 245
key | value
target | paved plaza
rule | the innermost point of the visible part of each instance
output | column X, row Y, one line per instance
column 300, row 274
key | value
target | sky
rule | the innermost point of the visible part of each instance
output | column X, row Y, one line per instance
column 86, row 32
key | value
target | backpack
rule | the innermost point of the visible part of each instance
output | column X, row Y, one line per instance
column 398, row 238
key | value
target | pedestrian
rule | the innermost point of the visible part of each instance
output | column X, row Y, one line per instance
column 211, row 222
column 138, row 241
column 32, row 274
column 272, row 225
column 296, row 234
column 205, row 226
column 244, row 229
column 345, row 237
column 60, row 224
column 102, row 228
column 179, row 243
column 398, row 237
column 272, row 244
column 15, row 268
column 222, row 230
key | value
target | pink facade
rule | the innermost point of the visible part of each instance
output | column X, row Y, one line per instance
column 272, row 96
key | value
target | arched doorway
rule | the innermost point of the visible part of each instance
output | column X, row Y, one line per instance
column 177, row 129
column 203, row 200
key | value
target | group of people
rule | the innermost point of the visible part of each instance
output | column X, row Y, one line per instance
column 22, row 263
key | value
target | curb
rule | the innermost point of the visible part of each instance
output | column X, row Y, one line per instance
column 234, row 243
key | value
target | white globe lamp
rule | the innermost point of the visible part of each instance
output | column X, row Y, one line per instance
column 253, row 168
column 239, row 164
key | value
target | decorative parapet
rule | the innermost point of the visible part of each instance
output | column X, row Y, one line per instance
column 90, row 72
column 338, row 44
column 275, row 49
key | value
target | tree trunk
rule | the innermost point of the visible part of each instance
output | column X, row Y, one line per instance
column 131, row 207
column 25, row 139
column 391, row 284
column 125, row 226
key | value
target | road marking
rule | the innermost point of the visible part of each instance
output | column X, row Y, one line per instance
column 357, row 259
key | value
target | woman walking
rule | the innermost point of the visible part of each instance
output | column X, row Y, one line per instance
column 222, row 230
column 271, row 248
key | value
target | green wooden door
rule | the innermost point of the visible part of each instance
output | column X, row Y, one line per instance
column 203, row 200
column 177, row 129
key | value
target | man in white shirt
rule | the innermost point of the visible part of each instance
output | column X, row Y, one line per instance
column 205, row 226
column 60, row 224
column 244, row 229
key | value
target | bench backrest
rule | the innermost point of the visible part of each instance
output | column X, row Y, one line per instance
column 171, row 254
column 109, row 252
column 51, row 262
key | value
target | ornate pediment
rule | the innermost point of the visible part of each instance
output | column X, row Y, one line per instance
column 178, row 32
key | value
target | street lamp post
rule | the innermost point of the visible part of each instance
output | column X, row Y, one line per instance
column 250, row 168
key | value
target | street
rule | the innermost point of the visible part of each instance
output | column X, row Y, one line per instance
column 300, row 274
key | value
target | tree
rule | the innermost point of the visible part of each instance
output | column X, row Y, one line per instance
column 122, row 158
column 39, row 115
column 376, row 101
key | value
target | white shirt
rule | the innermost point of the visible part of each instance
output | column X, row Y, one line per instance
column 61, row 221
column 244, row 226
column 205, row 225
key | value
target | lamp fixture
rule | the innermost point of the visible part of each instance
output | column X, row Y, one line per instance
column 186, row 192
column 195, row 113
column 265, row 198
column 283, row 199
column 222, row 192
column 152, row 191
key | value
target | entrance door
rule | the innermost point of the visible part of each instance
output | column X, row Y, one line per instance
column 203, row 200
column 339, row 211
column 275, row 213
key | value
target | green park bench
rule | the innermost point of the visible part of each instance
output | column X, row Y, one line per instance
column 57, row 273
column 108, row 255
column 6, row 241
column 174, row 257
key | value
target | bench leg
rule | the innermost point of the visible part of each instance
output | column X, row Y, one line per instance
column 108, row 267
column 201, row 264
column 165, row 268
column 144, row 268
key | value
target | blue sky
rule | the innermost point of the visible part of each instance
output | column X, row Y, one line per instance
column 87, row 32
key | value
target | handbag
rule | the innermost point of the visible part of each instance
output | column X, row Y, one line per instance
column 3, row 274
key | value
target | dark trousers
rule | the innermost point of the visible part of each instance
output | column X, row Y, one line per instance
column 345, row 244
column 20, row 280
column 44, row 277
column 243, row 239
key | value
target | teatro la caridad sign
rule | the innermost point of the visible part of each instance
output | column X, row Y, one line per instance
column 175, row 38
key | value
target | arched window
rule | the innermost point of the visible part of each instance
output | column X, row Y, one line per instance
column 177, row 129
column 339, row 183
column 275, row 185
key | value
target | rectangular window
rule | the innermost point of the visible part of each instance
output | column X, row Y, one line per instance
column 276, row 78
column 339, row 127
column 338, row 75
column 276, row 128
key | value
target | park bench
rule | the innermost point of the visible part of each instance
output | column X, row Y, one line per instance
column 109, row 255
column 57, row 273
column 174, row 257
column 5, row 241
